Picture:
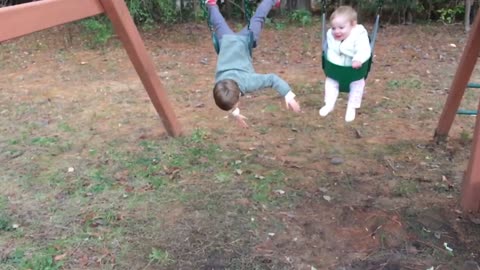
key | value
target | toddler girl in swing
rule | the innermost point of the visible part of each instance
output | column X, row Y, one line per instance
column 348, row 45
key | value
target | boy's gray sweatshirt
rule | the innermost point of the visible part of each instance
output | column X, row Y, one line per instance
column 234, row 62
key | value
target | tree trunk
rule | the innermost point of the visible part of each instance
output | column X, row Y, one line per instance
column 291, row 5
column 228, row 10
column 304, row 4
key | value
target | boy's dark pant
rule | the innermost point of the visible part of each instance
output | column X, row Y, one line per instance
column 256, row 22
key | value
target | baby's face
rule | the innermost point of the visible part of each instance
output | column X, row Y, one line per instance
column 341, row 27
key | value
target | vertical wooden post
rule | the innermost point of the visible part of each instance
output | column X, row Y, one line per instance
column 471, row 183
column 460, row 81
column 118, row 13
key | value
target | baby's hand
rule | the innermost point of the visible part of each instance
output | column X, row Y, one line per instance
column 356, row 64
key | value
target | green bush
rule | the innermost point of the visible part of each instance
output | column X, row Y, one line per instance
column 101, row 29
column 302, row 16
column 147, row 12
column 449, row 15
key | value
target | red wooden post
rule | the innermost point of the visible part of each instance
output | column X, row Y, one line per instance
column 460, row 81
column 124, row 26
column 471, row 183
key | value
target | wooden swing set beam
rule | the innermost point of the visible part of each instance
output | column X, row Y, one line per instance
column 20, row 20
column 471, row 183
column 470, row 199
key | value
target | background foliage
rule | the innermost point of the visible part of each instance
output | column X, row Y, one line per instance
column 148, row 13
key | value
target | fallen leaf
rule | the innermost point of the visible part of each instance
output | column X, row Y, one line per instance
column 322, row 189
column 60, row 257
column 174, row 174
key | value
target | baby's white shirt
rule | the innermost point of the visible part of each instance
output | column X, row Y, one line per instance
column 356, row 47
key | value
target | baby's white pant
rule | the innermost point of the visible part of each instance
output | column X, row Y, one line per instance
column 354, row 97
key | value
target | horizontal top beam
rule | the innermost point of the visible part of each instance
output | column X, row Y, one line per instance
column 23, row 19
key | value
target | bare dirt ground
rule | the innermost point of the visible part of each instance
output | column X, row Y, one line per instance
column 391, row 203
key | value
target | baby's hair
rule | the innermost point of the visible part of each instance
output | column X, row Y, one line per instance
column 346, row 11
column 226, row 94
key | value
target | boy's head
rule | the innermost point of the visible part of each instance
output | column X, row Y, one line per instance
column 226, row 94
column 343, row 19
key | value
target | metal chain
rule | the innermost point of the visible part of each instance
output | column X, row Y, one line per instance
column 248, row 12
column 379, row 6
column 203, row 6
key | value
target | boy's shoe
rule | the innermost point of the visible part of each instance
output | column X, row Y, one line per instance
column 277, row 4
column 325, row 110
column 211, row 2
column 350, row 114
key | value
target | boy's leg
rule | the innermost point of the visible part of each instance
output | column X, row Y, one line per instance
column 331, row 95
column 219, row 24
column 354, row 99
column 258, row 19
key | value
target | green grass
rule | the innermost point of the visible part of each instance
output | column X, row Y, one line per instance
column 411, row 84
column 263, row 187
column 65, row 127
column 129, row 180
column 42, row 259
column 160, row 257
column 405, row 188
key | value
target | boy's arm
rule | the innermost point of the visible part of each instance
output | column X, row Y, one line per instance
column 257, row 82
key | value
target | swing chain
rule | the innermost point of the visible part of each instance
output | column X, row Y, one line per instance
column 248, row 12
column 379, row 6
column 206, row 14
column 324, row 6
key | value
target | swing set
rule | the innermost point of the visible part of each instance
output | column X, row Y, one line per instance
column 345, row 75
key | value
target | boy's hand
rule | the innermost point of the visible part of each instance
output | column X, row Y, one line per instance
column 239, row 118
column 356, row 64
column 293, row 104
column 241, row 121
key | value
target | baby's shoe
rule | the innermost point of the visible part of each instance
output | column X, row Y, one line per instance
column 325, row 110
column 350, row 114
column 211, row 2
